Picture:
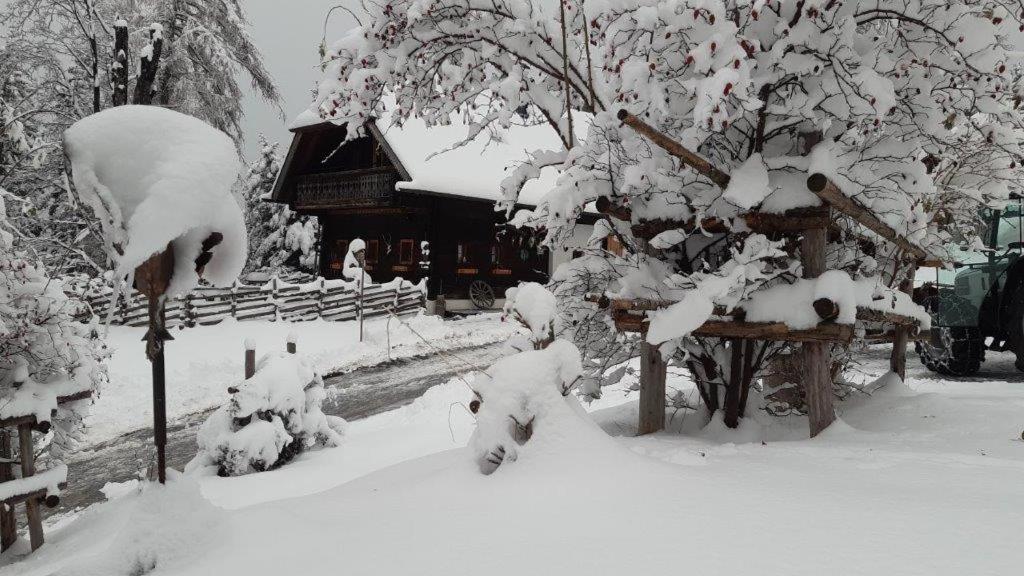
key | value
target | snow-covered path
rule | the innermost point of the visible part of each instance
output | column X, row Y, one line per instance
column 355, row 395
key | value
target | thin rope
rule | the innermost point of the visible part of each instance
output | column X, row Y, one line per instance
column 440, row 352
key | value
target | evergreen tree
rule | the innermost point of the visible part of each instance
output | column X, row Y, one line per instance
column 278, row 237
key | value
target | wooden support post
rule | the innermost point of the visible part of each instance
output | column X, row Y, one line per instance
column 731, row 418
column 817, row 376
column 28, row 468
column 250, row 362
column 8, row 525
column 901, row 334
column 290, row 347
column 653, row 372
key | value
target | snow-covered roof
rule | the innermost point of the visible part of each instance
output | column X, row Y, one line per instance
column 474, row 170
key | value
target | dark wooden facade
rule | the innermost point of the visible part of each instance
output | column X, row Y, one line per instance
column 351, row 188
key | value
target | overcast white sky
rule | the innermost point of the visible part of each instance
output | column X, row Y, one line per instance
column 288, row 33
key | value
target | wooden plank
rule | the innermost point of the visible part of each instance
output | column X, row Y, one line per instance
column 825, row 189
column 898, row 358
column 872, row 315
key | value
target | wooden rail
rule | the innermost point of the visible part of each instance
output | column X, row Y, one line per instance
column 275, row 300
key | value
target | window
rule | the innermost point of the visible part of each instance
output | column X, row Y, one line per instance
column 372, row 251
column 406, row 251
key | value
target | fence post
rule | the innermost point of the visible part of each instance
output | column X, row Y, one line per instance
column 398, row 297
column 234, row 298
column 273, row 296
column 250, row 358
column 190, row 312
column 290, row 346
column 320, row 299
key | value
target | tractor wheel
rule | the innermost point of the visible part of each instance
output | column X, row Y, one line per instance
column 958, row 351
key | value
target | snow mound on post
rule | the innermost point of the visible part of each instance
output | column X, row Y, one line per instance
column 154, row 176
column 527, row 407
column 271, row 418
column 533, row 306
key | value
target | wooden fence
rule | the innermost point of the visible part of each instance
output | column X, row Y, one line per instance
column 274, row 300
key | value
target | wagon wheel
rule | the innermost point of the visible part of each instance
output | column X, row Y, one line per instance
column 481, row 294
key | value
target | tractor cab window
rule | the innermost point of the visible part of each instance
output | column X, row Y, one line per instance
column 1011, row 227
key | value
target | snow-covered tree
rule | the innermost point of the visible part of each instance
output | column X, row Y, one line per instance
column 278, row 237
column 270, row 418
column 45, row 355
column 753, row 96
column 182, row 54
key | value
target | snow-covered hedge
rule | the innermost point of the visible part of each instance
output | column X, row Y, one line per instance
column 270, row 418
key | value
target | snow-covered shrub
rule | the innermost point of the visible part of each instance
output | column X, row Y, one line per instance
column 44, row 353
column 520, row 396
column 270, row 418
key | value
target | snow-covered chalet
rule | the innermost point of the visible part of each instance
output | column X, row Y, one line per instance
column 423, row 214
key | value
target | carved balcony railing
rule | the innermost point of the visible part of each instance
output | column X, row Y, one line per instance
column 356, row 188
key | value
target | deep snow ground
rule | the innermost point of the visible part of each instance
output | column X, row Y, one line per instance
column 921, row 479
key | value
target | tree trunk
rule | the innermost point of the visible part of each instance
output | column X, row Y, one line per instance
column 149, row 64
column 653, row 372
column 119, row 72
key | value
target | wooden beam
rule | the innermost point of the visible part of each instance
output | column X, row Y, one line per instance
column 28, row 469
column 8, row 524
column 789, row 222
column 689, row 158
column 825, row 189
column 817, row 373
column 773, row 331
column 872, row 315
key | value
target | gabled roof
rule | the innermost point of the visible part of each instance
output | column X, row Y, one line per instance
column 426, row 163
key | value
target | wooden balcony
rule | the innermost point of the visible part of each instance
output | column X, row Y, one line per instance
column 353, row 189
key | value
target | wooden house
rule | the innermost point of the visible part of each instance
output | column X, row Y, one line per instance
column 424, row 211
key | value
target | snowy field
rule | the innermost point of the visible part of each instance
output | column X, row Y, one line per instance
column 202, row 362
column 922, row 479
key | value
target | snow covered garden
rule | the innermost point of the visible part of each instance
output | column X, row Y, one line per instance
column 213, row 365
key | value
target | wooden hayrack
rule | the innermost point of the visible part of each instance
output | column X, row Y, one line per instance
column 811, row 227
column 25, row 425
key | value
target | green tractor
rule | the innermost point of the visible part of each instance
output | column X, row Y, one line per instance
column 979, row 304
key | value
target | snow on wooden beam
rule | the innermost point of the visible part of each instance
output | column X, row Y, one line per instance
column 898, row 320
column 829, row 193
column 15, row 421
column 791, row 221
column 676, row 149
column 774, row 331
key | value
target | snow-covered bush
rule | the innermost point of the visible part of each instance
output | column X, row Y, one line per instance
column 270, row 418
column 156, row 177
column 44, row 353
column 520, row 396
